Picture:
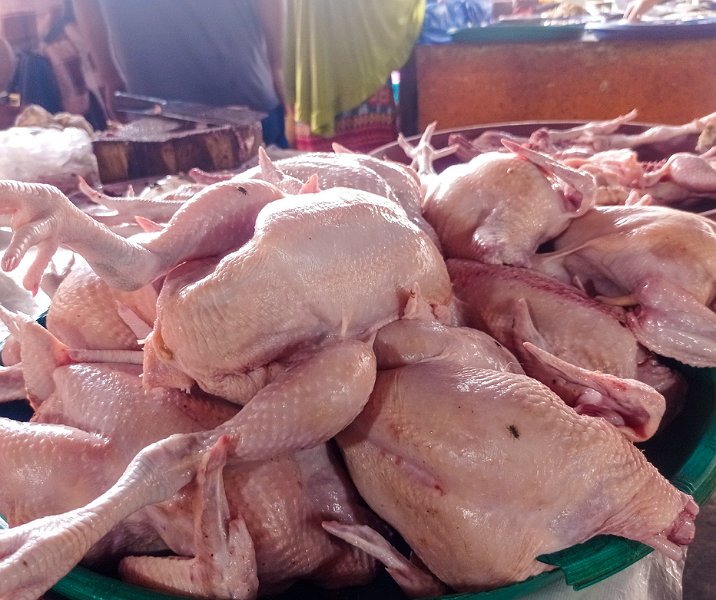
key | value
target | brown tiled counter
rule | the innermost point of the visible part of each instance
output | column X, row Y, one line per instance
column 465, row 84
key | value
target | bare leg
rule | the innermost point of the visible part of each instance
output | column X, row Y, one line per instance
column 632, row 406
column 635, row 408
column 131, row 206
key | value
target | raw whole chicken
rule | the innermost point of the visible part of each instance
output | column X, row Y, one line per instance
column 691, row 172
column 499, row 208
column 304, row 245
column 595, row 374
column 543, row 139
column 438, row 474
column 91, row 421
column 657, row 261
column 586, row 139
column 86, row 313
column 613, row 157
column 619, row 172
column 344, row 168
column 277, row 325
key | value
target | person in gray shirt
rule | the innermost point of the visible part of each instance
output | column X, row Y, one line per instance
column 218, row 52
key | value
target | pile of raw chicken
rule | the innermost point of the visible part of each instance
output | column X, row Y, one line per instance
column 292, row 372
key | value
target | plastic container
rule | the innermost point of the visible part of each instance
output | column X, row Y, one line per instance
column 685, row 452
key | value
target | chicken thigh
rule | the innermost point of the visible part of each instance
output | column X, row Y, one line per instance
column 438, row 476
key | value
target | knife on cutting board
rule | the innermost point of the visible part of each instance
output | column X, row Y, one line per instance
column 186, row 111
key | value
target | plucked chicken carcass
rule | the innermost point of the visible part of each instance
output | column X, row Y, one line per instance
column 292, row 237
column 658, row 262
column 500, row 207
column 87, row 313
column 344, row 168
column 543, row 139
column 611, row 156
column 588, row 138
column 91, row 420
column 595, row 374
column 690, row 174
column 437, row 473
column 277, row 324
column 619, row 172
column 267, row 300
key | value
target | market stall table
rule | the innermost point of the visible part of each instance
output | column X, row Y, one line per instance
column 667, row 81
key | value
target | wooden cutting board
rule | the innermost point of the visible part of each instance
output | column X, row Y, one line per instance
column 153, row 147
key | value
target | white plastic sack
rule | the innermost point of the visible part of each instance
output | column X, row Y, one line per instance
column 654, row 577
column 48, row 155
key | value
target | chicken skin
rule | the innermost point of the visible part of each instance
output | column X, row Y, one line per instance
column 435, row 469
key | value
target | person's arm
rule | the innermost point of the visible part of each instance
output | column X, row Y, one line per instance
column 8, row 63
column 93, row 27
column 272, row 14
column 636, row 8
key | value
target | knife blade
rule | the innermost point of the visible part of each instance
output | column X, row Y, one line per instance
column 186, row 111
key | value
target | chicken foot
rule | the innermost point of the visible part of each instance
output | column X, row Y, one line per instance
column 216, row 220
column 224, row 565
column 423, row 154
